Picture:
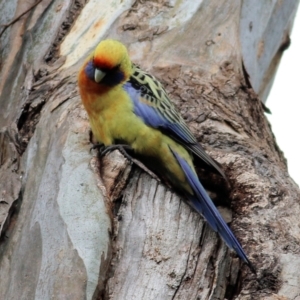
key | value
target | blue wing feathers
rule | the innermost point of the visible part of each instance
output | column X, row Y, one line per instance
column 177, row 130
column 151, row 116
column 204, row 205
column 147, row 113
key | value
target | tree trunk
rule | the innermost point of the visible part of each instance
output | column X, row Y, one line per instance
column 74, row 226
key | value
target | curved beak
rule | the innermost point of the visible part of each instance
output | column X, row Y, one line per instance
column 98, row 76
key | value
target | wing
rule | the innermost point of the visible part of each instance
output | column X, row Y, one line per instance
column 152, row 104
column 204, row 205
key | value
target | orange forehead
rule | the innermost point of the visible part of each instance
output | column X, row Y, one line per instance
column 103, row 62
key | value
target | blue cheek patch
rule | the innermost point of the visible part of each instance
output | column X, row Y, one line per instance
column 90, row 70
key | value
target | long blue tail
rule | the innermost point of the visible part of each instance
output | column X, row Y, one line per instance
column 204, row 205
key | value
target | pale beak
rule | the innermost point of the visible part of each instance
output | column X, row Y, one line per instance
column 98, row 76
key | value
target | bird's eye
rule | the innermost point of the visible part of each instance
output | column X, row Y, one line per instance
column 98, row 75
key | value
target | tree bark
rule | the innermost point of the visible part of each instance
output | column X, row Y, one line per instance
column 76, row 226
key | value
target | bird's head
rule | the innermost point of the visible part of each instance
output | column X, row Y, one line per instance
column 110, row 64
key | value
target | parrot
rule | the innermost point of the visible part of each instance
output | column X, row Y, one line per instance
column 126, row 105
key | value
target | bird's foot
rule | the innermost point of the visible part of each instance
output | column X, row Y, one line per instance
column 106, row 149
column 100, row 147
column 121, row 147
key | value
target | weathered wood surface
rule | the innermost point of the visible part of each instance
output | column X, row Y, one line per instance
column 75, row 227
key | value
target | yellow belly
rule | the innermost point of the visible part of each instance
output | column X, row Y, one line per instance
column 113, row 119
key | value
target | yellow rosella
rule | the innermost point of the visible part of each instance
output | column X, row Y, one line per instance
column 126, row 105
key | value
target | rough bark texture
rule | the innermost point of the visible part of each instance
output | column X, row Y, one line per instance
column 74, row 226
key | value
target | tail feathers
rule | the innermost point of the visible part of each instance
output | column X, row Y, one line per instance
column 204, row 205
